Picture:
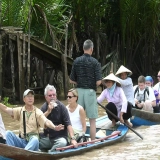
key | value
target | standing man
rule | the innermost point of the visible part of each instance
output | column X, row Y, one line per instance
column 86, row 73
column 55, row 111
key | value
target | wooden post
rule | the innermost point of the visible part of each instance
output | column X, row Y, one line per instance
column 65, row 74
column 1, row 64
column 20, row 71
column 11, row 49
column 28, row 63
column 111, row 71
column 64, row 65
column 24, row 51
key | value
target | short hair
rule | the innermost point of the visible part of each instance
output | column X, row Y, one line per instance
column 88, row 44
column 141, row 79
column 49, row 88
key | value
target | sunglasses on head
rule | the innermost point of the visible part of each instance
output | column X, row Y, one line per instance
column 70, row 97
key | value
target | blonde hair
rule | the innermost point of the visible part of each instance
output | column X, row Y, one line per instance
column 74, row 92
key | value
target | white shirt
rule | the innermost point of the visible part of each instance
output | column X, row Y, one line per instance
column 2, row 128
column 150, row 97
column 75, row 118
column 157, row 87
column 127, row 86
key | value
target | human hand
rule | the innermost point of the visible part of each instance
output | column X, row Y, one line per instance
column 50, row 106
column 59, row 127
column 136, row 101
column 74, row 142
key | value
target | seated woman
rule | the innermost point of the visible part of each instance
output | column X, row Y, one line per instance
column 149, row 83
column 126, row 83
column 76, row 113
column 157, row 87
column 117, row 102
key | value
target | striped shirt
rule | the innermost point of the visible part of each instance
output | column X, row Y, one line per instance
column 86, row 71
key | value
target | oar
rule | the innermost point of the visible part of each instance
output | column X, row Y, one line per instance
column 119, row 120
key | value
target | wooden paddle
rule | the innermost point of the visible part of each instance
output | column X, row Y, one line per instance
column 119, row 120
column 89, row 142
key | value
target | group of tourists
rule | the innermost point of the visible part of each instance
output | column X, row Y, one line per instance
column 61, row 124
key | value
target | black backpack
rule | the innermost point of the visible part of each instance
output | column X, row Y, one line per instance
column 146, row 90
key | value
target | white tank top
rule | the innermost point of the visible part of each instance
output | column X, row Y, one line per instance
column 75, row 118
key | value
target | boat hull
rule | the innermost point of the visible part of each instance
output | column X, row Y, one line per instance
column 19, row 154
column 141, row 117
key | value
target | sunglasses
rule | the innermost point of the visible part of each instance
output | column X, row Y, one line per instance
column 70, row 97
column 50, row 95
column 158, row 76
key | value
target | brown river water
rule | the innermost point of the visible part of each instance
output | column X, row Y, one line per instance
column 132, row 148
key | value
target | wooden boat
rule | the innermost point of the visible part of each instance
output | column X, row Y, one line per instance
column 109, row 138
column 141, row 117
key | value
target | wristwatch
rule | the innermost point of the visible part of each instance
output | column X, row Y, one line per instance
column 73, row 138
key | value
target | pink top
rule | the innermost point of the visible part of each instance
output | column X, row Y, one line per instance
column 118, row 98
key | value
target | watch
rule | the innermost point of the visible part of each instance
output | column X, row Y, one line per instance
column 73, row 138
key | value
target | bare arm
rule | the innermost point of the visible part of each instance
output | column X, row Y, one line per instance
column 98, row 82
column 49, row 124
column 83, row 118
column 71, row 133
column 6, row 109
column 153, row 103
column 49, row 110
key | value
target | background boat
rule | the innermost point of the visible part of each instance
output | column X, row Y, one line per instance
column 141, row 117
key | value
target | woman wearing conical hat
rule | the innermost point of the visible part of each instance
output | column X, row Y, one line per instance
column 117, row 102
column 126, row 83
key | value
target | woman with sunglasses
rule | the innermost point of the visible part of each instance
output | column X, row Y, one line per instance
column 117, row 102
column 76, row 113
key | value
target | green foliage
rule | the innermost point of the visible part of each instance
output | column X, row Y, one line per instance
column 5, row 101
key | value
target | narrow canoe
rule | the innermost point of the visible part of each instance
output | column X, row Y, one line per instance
column 110, row 137
column 141, row 117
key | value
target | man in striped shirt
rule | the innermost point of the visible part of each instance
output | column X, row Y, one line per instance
column 86, row 74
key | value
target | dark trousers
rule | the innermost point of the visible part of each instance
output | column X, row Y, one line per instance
column 156, row 109
column 112, row 107
column 2, row 140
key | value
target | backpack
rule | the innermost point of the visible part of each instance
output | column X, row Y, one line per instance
column 146, row 90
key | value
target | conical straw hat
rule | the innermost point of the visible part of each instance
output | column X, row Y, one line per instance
column 111, row 77
column 123, row 69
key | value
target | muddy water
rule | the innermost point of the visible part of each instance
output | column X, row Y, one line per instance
column 132, row 148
